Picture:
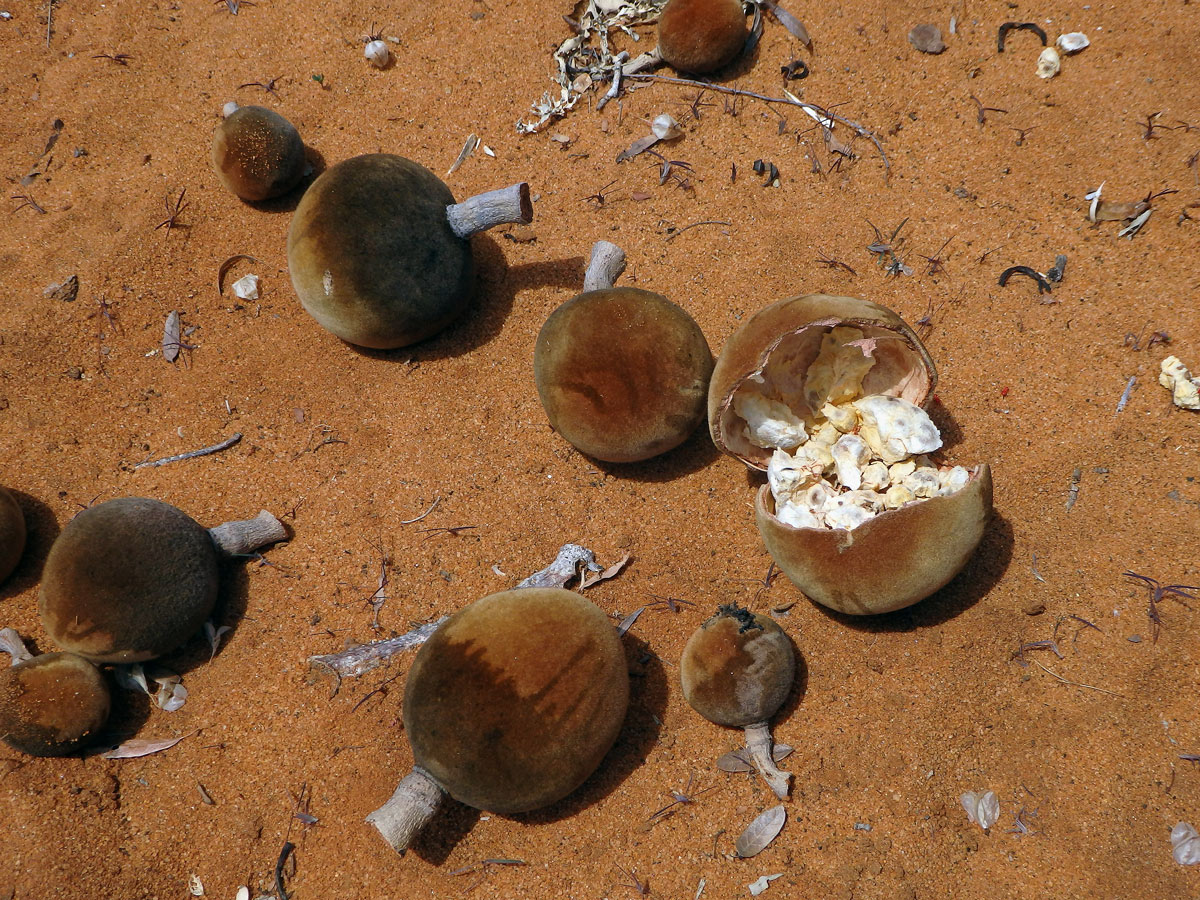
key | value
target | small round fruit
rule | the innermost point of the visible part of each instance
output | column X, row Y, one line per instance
column 701, row 36
column 257, row 153
column 513, row 702
column 622, row 373
column 737, row 668
column 12, row 533
column 128, row 580
column 52, row 705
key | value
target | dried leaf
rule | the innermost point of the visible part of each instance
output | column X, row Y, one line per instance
column 467, row 149
column 627, row 622
column 137, row 747
column 66, row 292
column 226, row 266
column 11, row 643
column 246, row 287
column 639, row 196
column 665, row 127
column 132, row 677
column 171, row 339
column 927, row 38
column 171, row 693
column 983, row 809
column 739, row 760
column 790, row 22
column 638, row 146
column 243, row 893
column 214, row 633
column 759, row 833
column 610, row 572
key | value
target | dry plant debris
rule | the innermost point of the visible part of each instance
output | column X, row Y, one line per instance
column 759, row 833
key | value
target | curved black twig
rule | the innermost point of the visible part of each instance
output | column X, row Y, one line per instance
column 1043, row 285
column 1018, row 26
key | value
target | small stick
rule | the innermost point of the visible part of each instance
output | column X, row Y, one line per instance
column 288, row 847
column 436, row 501
column 675, row 234
column 811, row 108
column 365, row 657
column 1028, row 271
column 618, row 61
column 191, row 454
column 605, row 267
column 510, row 205
column 1073, row 490
column 1125, row 394
column 1076, row 683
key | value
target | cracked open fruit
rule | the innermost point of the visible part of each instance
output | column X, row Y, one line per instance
column 129, row 579
column 257, row 153
column 12, row 533
column 380, row 254
column 622, row 372
column 827, row 394
column 52, row 705
column 509, row 706
column 701, row 36
column 737, row 670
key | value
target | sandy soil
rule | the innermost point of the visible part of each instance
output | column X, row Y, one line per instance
column 894, row 717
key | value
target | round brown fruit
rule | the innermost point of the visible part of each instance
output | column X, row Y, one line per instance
column 258, row 154
column 52, row 705
column 622, row 373
column 701, row 36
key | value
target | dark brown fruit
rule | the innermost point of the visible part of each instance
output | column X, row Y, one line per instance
column 372, row 255
column 514, row 701
column 12, row 533
column 737, row 668
column 701, row 35
column 623, row 373
column 52, row 705
column 128, row 580
column 258, row 153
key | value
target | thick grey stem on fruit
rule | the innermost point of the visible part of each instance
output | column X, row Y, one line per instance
column 758, row 743
column 11, row 643
column 409, row 809
column 605, row 267
column 246, row 536
column 507, row 206
column 648, row 60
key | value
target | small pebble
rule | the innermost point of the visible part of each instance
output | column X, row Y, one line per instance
column 1033, row 607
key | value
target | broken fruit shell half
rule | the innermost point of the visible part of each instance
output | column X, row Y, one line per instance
column 815, row 376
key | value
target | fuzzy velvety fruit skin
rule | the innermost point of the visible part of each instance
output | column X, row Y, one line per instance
column 128, row 580
column 701, row 35
column 51, row 705
column 514, row 700
column 737, row 668
column 372, row 255
column 905, row 368
column 892, row 561
column 257, row 153
column 12, row 533
column 622, row 373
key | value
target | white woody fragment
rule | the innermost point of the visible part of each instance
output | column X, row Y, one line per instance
column 896, row 428
column 951, row 481
column 897, row 472
column 843, row 418
column 843, row 512
column 897, row 495
column 786, row 475
column 850, row 454
column 797, row 515
column 769, row 423
column 1094, row 196
column 837, row 374
column 1072, row 42
column 924, row 483
column 1048, row 63
column 1175, row 377
column 875, row 477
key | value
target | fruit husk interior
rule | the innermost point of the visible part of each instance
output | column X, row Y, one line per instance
column 51, row 705
column 788, row 334
column 514, row 701
column 258, row 154
column 128, row 580
column 892, row 561
column 12, row 533
column 622, row 373
column 737, row 668
column 701, row 36
column 372, row 256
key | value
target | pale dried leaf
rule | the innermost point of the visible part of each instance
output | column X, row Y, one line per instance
column 665, row 127
column 467, row 149
column 66, row 292
column 195, row 886
column 171, row 695
column 132, row 677
column 214, row 634
column 790, row 22
column 243, row 893
column 759, row 833
column 627, row 622
column 982, row 808
column 638, row 146
column 610, row 572
column 11, row 643
column 138, row 747
column 171, row 338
